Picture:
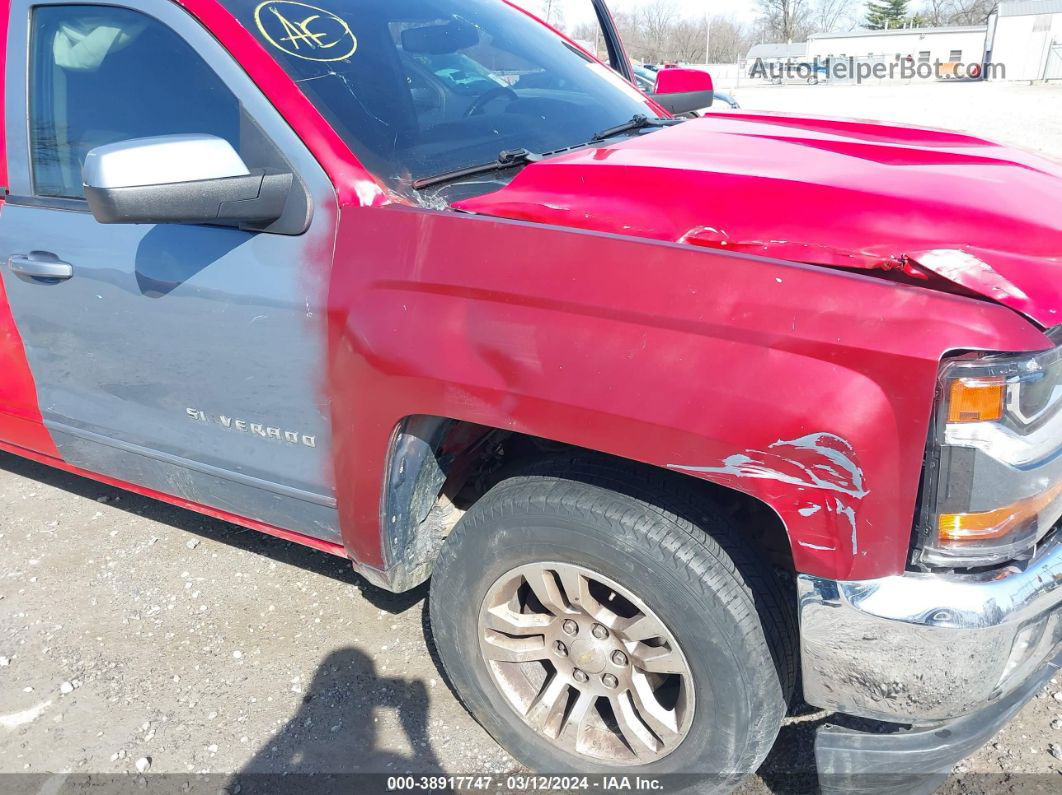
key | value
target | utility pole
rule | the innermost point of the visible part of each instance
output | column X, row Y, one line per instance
column 707, row 38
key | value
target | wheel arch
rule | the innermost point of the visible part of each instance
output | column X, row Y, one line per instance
column 437, row 467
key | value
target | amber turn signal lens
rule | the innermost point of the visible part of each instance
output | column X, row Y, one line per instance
column 976, row 399
column 992, row 525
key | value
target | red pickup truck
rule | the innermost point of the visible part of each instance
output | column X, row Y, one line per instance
column 685, row 420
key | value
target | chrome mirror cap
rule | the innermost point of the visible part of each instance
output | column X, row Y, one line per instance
column 161, row 160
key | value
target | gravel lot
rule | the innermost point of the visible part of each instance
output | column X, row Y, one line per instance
column 1023, row 115
column 134, row 635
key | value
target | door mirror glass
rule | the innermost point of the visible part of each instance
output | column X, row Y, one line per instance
column 192, row 179
column 683, row 90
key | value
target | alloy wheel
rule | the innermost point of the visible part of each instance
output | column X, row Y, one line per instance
column 586, row 663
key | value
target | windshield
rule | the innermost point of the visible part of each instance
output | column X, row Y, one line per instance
column 420, row 87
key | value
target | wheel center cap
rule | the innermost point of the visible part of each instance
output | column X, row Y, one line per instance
column 589, row 656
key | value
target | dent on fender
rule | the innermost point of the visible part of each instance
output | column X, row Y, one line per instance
column 822, row 461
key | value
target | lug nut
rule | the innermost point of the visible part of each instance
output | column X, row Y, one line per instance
column 619, row 658
column 560, row 648
column 609, row 681
column 570, row 627
column 599, row 632
column 579, row 676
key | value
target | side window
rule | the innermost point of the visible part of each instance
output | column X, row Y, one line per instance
column 101, row 74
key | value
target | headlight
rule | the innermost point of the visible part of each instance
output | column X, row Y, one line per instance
column 993, row 480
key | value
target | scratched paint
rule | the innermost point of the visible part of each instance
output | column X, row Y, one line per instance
column 848, row 513
column 818, row 460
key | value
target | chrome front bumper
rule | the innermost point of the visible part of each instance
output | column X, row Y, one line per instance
column 918, row 648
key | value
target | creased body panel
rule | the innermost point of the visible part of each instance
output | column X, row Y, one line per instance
column 943, row 209
column 808, row 388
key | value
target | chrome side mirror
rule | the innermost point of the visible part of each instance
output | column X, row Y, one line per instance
column 180, row 179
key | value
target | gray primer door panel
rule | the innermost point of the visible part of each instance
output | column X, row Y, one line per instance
column 185, row 359
column 201, row 344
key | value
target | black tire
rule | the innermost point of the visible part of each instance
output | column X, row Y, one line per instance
column 683, row 559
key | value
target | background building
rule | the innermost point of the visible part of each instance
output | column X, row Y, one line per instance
column 1027, row 39
column 777, row 53
column 927, row 45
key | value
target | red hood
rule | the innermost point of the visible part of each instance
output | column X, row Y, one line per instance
column 938, row 206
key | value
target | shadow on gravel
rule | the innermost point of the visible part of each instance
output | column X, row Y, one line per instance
column 790, row 766
column 335, row 731
column 277, row 549
column 346, row 691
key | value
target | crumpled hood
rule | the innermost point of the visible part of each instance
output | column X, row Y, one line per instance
column 950, row 210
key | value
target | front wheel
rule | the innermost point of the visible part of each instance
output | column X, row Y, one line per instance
column 590, row 626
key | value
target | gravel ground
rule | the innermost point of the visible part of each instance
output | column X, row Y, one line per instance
column 138, row 636
column 1029, row 116
column 131, row 630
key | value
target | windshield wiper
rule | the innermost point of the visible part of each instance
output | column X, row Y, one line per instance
column 509, row 158
column 638, row 122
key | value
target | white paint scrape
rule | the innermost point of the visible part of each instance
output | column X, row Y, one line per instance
column 819, row 460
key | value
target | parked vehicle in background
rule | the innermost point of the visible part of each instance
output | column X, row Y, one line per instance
column 727, row 99
column 424, row 285
column 792, row 72
column 645, row 78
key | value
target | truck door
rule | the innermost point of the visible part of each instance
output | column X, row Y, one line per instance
column 188, row 359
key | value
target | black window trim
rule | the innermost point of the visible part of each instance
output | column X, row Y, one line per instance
column 48, row 202
column 71, row 203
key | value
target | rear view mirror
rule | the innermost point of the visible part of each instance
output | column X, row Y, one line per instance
column 180, row 179
column 440, row 39
column 683, row 90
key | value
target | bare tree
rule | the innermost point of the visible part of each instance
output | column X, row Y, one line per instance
column 831, row 15
column 656, row 21
column 549, row 11
column 657, row 32
column 936, row 12
column 941, row 13
column 970, row 12
column 786, row 20
column 730, row 40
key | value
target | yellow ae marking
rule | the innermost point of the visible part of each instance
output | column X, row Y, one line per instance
column 299, row 34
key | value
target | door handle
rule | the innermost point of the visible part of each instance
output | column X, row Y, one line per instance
column 40, row 265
